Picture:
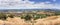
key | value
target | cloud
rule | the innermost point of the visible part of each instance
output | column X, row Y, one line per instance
column 26, row 4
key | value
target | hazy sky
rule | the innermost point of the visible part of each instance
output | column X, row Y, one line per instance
column 29, row 4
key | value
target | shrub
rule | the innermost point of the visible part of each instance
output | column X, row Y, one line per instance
column 3, row 16
column 37, row 16
column 11, row 16
column 27, row 17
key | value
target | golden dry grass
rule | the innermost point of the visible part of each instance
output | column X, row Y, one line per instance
column 14, row 21
column 53, row 20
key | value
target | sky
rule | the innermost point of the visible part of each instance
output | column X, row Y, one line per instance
column 29, row 4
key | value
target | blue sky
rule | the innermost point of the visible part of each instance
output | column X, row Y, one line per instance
column 29, row 4
column 45, row 0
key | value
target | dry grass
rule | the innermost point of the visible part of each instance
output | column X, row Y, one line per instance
column 14, row 21
column 1, row 22
column 53, row 20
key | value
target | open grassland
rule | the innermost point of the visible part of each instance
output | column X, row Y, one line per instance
column 52, row 20
column 40, row 18
column 14, row 21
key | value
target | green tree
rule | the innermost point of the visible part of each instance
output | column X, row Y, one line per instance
column 3, row 16
column 27, row 17
column 11, row 16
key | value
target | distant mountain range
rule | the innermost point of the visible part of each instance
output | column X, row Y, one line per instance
column 22, row 10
